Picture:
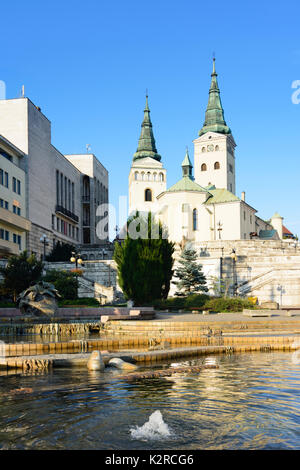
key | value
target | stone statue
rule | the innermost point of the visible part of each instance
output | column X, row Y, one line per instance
column 39, row 300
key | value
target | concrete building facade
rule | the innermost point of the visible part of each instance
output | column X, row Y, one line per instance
column 54, row 185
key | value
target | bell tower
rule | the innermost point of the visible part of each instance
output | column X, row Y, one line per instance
column 147, row 176
column 214, row 148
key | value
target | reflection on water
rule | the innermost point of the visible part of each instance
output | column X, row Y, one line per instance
column 251, row 402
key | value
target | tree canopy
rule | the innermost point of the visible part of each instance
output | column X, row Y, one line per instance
column 144, row 262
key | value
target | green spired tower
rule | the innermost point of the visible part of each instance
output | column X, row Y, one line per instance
column 214, row 116
column 146, row 145
column 214, row 149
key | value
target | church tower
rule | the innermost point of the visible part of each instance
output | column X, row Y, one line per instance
column 147, row 177
column 214, row 159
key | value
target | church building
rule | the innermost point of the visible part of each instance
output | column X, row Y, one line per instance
column 202, row 206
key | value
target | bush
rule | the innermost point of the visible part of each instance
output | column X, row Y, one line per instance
column 64, row 281
column 191, row 302
column 88, row 301
column 61, row 252
column 7, row 305
column 223, row 304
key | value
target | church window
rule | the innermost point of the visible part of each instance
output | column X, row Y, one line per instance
column 143, row 176
column 195, row 219
column 203, row 149
column 136, row 175
column 148, row 195
column 203, row 167
column 148, row 176
column 216, row 148
column 217, row 166
column 161, row 177
column 154, row 176
column 244, row 215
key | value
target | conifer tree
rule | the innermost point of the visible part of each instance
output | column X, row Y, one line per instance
column 190, row 275
column 145, row 264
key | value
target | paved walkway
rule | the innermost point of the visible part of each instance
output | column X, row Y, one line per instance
column 217, row 317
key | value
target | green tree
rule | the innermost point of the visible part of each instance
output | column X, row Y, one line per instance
column 145, row 262
column 189, row 273
column 65, row 282
column 61, row 252
column 20, row 272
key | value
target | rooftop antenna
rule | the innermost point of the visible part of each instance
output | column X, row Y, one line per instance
column 88, row 148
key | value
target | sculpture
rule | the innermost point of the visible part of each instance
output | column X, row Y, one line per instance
column 39, row 300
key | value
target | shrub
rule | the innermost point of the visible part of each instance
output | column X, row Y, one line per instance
column 190, row 302
column 61, row 252
column 64, row 281
column 227, row 304
column 88, row 301
column 21, row 272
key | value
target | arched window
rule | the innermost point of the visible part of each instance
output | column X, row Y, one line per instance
column 217, row 166
column 148, row 176
column 161, row 177
column 154, row 176
column 203, row 149
column 203, row 167
column 136, row 175
column 143, row 176
column 216, row 148
column 195, row 219
column 148, row 195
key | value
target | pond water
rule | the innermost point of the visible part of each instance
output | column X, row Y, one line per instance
column 252, row 401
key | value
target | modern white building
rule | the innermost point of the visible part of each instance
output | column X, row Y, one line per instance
column 56, row 185
column 203, row 207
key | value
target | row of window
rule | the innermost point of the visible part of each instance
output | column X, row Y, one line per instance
column 4, row 204
column 5, row 235
column 250, row 217
column 210, row 148
column 4, row 181
column 216, row 166
column 65, row 192
column 148, row 176
column 65, row 228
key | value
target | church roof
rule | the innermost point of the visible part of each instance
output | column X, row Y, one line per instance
column 220, row 195
column 214, row 115
column 146, row 145
column 186, row 184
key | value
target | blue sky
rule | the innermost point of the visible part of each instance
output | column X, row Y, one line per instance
column 88, row 64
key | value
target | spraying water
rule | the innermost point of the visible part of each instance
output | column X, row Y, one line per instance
column 153, row 429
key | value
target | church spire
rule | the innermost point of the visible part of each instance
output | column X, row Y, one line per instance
column 146, row 145
column 186, row 165
column 214, row 116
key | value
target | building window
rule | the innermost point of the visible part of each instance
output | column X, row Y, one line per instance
column 1, row 176
column 136, row 175
column 231, row 187
column 14, row 184
column 154, row 176
column 217, row 166
column 250, row 219
column 195, row 219
column 142, row 176
column 230, row 168
column 7, row 235
column 57, row 187
column 6, row 179
column 216, row 148
column 161, row 177
column 148, row 176
column 244, row 215
column 203, row 167
column 203, row 150
column 148, row 195
column 18, row 186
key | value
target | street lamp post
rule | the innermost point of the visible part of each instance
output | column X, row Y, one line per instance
column 44, row 240
column 234, row 274
column 76, row 258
